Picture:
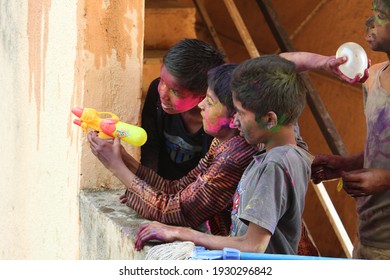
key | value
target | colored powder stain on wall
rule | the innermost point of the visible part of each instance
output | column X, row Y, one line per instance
column 109, row 28
column 37, row 32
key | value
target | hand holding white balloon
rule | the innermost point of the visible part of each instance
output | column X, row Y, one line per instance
column 357, row 59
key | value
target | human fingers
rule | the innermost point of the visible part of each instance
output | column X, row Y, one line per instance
column 316, row 167
column 360, row 79
column 117, row 146
column 117, row 142
column 91, row 137
column 354, row 175
column 142, row 237
column 96, row 143
column 355, row 192
column 353, row 183
column 334, row 62
column 317, row 176
column 138, row 243
column 350, row 179
column 352, row 186
column 356, row 79
column 123, row 199
column 365, row 76
column 347, row 79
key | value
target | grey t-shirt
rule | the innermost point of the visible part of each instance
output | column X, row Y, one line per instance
column 374, row 210
column 271, row 194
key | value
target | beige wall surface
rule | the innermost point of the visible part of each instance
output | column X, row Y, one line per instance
column 55, row 56
column 39, row 164
column 110, row 66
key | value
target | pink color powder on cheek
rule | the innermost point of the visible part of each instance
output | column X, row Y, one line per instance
column 186, row 104
column 216, row 124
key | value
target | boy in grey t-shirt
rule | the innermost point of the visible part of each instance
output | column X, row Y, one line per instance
column 268, row 96
column 281, row 174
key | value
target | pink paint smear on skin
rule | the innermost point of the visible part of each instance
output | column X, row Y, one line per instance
column 216, row 124
column 186, row 104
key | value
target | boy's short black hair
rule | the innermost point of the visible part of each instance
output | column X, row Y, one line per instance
column 270, row 83
column 189, row 60
column 219, row 82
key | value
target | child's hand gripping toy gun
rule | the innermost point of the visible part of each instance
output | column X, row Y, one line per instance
column 109, row 127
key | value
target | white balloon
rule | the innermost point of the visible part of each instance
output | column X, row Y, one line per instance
column 357, row 59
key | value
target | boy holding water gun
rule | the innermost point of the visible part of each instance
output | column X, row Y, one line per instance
column 206, row 192
column 269, row 96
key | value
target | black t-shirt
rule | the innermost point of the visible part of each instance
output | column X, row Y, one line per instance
column 170, row 149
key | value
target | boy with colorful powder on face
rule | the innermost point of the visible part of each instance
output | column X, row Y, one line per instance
column 268, row 95
column 366, row 176
column 205, row 193
column 176, row 139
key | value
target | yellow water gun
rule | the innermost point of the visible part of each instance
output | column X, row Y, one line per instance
column 109, row 127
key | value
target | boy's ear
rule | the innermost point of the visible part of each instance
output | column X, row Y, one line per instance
column 271, row 119
column 231, row 123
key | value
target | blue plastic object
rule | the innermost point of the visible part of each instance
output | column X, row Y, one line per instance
column 201, row 253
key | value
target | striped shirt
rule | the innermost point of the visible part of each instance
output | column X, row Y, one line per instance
column 204, row 194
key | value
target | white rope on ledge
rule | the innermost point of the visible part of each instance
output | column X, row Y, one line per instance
column 171, row 251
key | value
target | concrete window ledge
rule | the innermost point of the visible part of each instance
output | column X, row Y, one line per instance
column 108, row 227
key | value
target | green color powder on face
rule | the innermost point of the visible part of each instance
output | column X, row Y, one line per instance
column 259, row 121
column 275, row 128
column 378, row 21
column 281, row 121
column 379, row 16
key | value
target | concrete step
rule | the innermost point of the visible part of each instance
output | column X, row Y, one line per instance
column 108, row 227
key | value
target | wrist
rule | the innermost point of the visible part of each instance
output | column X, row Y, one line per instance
column 351, row 162
column 131, row 163
column 355, row 162
column 327, row 63
column 122, row 173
